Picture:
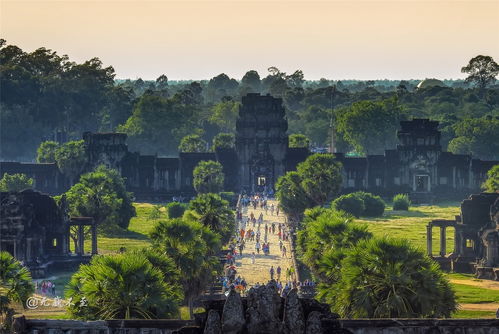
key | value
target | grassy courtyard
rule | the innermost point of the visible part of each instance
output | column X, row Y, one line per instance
column 479, row 297
column 412, row 224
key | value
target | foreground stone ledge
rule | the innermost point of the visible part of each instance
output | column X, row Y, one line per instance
column 357, row 326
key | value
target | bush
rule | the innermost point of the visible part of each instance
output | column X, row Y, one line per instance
column 374, row 206
column 350, row 203
column 401, row 202
column 176, row 209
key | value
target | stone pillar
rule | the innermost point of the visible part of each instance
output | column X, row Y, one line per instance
column 81, row 240
column 94, row 239
column 429, row 240
column 442, row 241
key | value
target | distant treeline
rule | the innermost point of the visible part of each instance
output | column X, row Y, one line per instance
column 46, row 96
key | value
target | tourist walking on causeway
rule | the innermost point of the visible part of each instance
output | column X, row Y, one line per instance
column 271, row 271
column 257, row 247
column 283, row 251
column 278, row 271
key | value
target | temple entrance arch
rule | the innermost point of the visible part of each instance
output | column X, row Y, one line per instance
column 421, row 183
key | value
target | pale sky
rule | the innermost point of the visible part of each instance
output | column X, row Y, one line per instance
column 198, row 40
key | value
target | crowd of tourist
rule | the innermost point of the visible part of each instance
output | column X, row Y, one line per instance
column 45, row 288
column 252, row 227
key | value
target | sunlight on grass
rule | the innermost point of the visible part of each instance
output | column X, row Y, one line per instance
column 467, row 314
column 471, row 295
column 411, row 224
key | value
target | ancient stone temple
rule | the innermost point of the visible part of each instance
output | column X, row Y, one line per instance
column 476, row 237
column 261, row 142
column 37, row 232
column 417, row 166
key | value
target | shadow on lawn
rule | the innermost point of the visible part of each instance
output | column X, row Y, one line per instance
column 117, row 232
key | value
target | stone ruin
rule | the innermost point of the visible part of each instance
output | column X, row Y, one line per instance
column 476, row 237
column 264, row 311
column 36, row 231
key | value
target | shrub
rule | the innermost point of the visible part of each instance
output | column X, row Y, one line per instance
column 350, row 203
column 176, row 209
column 374, row 206
column 401, row 202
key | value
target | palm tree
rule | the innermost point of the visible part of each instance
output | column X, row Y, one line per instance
column 192, row 247
column 212, row 211
column 389, row 278
column 122, row 286
column 325, row 239
column 15, row 283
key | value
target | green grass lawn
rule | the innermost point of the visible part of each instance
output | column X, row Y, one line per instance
column 467, row 314
column 402, row 224
column 411, row 224
column 137, row 235
column 468, row 294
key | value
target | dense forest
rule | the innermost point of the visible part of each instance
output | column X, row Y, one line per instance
column 46, row 96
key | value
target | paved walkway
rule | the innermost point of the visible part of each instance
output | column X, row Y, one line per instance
column 259, row 272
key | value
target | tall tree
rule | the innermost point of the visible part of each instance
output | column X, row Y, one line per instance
column 292, row 197
column 370, row 126
column 71, row 159
column 192, row 247
column 320, row 177
column 208, row 177
column 224, row 114
column 251, row 82
column 477, row 136
column 102, row 195
column 482, row 71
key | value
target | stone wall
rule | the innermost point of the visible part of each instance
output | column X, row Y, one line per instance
column 262, row 311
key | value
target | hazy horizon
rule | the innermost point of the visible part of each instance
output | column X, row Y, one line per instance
column 336, row 40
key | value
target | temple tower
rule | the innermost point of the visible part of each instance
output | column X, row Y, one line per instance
column 261, row 142
column 419, row 151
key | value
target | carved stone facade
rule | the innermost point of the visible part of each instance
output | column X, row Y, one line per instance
column 476, row 237
column 261, row 142
column 36, row 231
column 417, row 165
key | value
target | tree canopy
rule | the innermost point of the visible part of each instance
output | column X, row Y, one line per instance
column 192, row 246
column 482, row 71
column 102, row 195
column 389, row 278
column 299, row 140
column 208, row 177
column 224, row 141
column 71, row 158
column 492, row 183
column 124, row 286
column 46, row 152
column 370, row 126
column 15, row 283
column 15, row 182
column 193, row 144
